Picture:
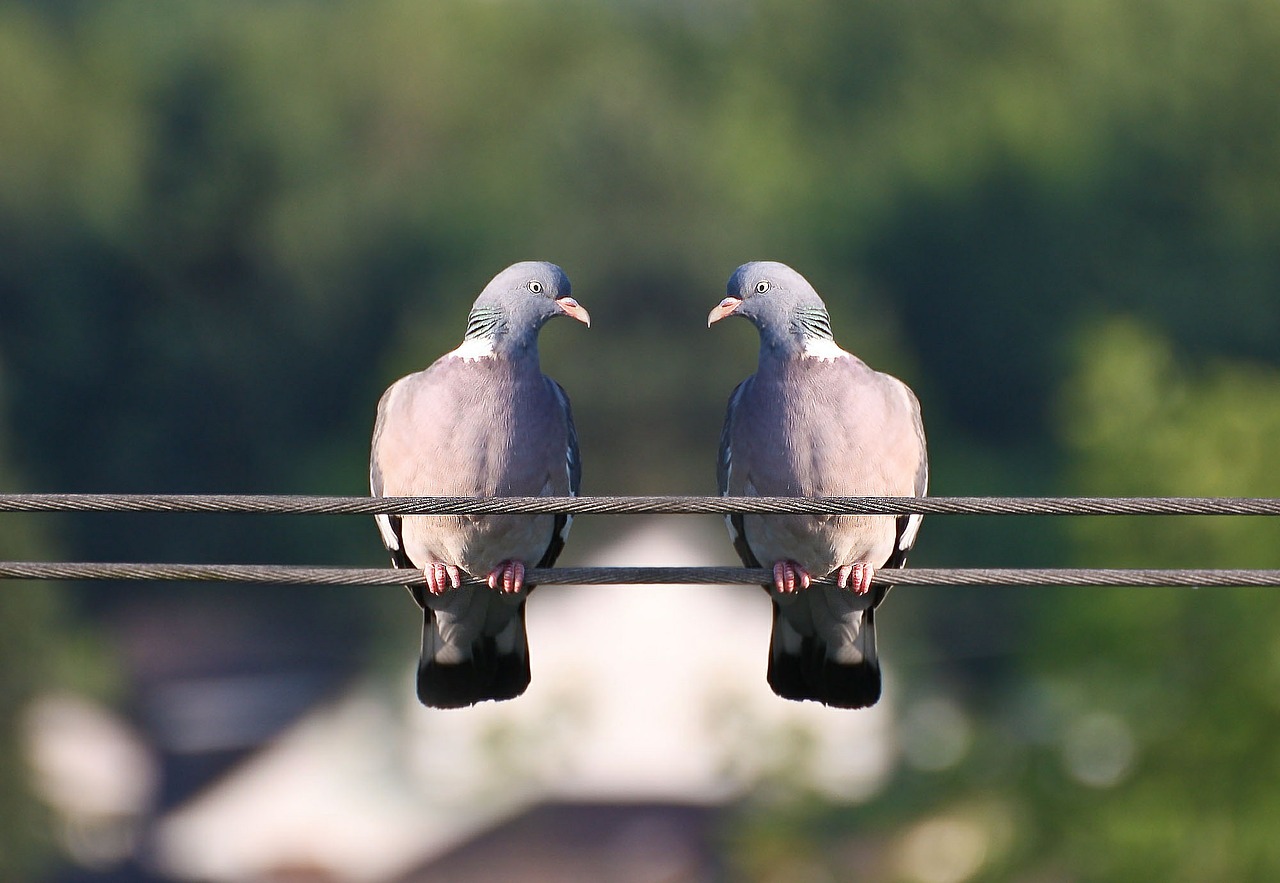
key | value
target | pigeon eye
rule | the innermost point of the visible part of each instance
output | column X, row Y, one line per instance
column 535, row 286
column 762, row 286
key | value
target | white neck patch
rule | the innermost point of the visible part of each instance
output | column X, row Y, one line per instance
column 822, row 350
column 474, row 350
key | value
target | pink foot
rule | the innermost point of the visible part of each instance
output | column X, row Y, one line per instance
column 856, row 576
column 789, row 577
column 508, row 577
column 441, row 576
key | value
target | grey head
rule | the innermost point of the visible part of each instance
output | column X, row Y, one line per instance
column 516, row 304
column 780, row 302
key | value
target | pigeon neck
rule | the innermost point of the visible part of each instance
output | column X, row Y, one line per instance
column 517, row 348
column 812, row 324
column 777, row 349
column 806, row 327
column 484, row 323
column 489, row 330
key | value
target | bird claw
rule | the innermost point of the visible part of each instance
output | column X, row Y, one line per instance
column 507, row 577
column 789, row 577
column 441, row 577
column 857, row 577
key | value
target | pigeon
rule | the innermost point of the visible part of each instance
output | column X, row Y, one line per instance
column 816, row 421
column 481, row 421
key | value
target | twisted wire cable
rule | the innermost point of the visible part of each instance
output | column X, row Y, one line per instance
column 264, row 574
column 638, row 505
column 634, row 505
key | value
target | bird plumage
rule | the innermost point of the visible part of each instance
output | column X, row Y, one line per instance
column 481, row 421
column 816, row 421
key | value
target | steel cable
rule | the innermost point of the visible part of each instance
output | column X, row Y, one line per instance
column 599, row 576
column 642, row 505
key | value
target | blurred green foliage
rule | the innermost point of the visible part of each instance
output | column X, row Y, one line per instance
column 1195, row 676
column 39, row 651
column 224, row 228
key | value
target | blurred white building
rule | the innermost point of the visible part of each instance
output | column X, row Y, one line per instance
column 641, row 694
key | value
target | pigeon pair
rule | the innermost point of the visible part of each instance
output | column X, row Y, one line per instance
column 813, row 421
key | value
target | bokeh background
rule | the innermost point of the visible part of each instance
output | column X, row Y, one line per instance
column 226, row 227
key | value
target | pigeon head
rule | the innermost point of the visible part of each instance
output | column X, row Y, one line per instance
column 779, row 301
column 518, row 302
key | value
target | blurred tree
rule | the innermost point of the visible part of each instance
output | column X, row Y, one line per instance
column 40, row 650
column 225, row 228
column 1185, row 682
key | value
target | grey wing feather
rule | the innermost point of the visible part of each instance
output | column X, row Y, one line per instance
column 573, row 462
column 724, row 463
column 574, row 458
column 909, row 525
column 726, row 453
column 388, row 525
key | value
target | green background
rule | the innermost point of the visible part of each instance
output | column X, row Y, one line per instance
column 226, row 227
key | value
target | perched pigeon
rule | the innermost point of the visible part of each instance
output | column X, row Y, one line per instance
column 815, row 421
column 482, row 421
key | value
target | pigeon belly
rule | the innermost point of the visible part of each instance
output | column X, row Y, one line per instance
column 518, row 451
column 477, row 544
column 819, row 543
column 805, row 443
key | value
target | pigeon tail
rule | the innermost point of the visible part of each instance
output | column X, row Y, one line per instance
column 493, row 667
column 803, row 666
column 854, row 684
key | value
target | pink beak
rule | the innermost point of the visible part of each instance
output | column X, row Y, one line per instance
column 574, row 310
column 726, row 307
